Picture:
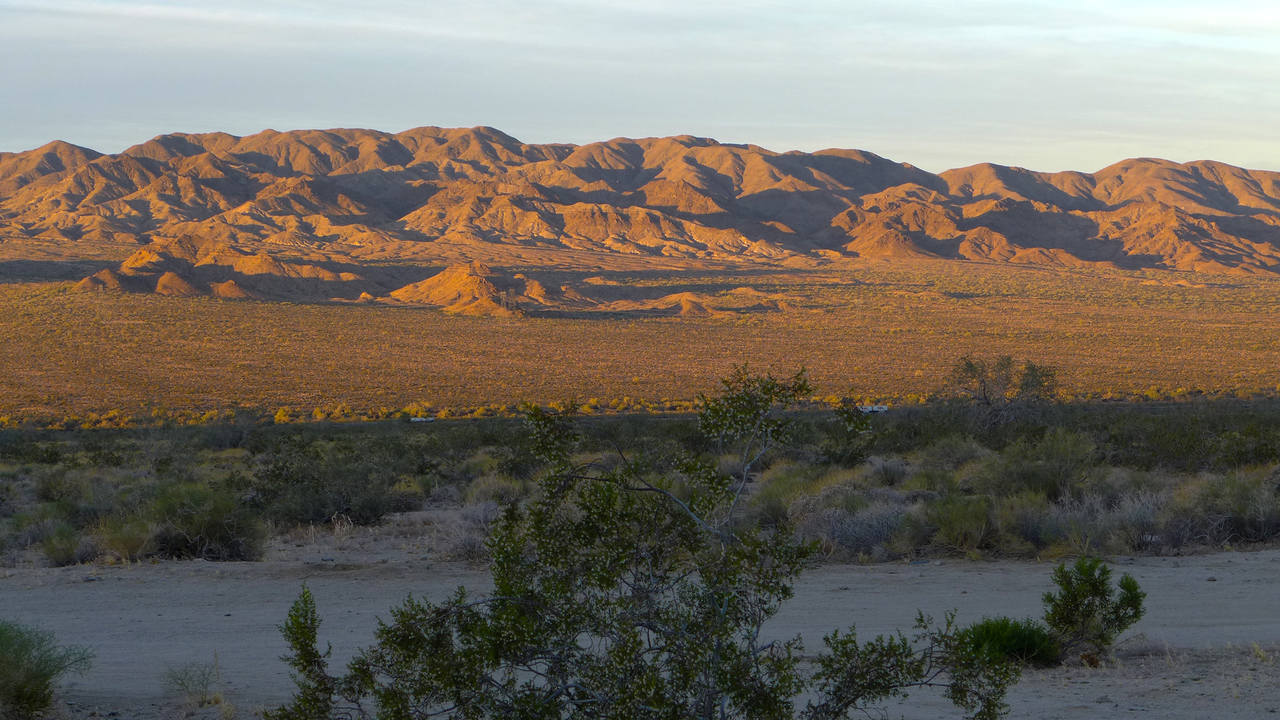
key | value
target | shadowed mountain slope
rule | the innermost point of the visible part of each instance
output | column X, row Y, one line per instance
column 272, row 203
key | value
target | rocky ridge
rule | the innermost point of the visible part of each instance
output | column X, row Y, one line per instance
column 297, row 215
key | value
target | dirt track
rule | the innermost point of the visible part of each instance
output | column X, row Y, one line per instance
column 1192, row 656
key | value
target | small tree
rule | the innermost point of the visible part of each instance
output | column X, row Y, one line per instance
column 1037, row 382
column 626, row 592
column 986, row 381
column 1085, row 613
column 994, row 382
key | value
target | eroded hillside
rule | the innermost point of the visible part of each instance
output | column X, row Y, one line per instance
column 361, row 215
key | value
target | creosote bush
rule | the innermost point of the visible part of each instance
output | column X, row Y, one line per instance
column 198, row 521
column 1085, row 614
column 31, row 663
column 630, row 589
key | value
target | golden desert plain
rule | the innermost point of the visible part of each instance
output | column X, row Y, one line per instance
column 450, row 270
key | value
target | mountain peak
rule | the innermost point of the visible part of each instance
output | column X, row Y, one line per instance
column 436, row 194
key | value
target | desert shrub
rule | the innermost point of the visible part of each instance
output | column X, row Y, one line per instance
column 8, row 498
column 310, row 483
column 405, row 496
column 869, row 530
column 951, row 452
column 1137, row 520
column 748, row 417
column 834, row 489
column 1000, row 387
column 1253, row 444
column 60, row 486
column 887, row 471
column 444, row 495
column 786, row 482
column 198, row 521
column 195, row 682
column 1247, row 504
column 515, row 461
column 933, row 480
column 961, row 524
column 101, row 452
column 1055, row 465
column 840, row 438
column 1027, row 642
column 31, row 663
column 23, row 447
column 1184, row 520
column 125, row 538
column 771, row 513
column 495, row 488
column 461, row 535
column 914, row 532
column 65, row 545
column 314, row 699
column 1079, row 526
column 1148, row 442
column 1085, row 614
column 81, row 498
column 1021, row 517
column 34, row 525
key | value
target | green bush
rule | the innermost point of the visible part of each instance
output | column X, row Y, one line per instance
column 962, row 524
column 495, row 488
column 126, row 539
column 1020, row 519
column 66, row 546
column 197, row 521
column 31, row 662
column 316, row 482
column 785, row 482
column 1055, row 465
column 951, row 452
column 1085, row 614
column 1027, row 642
column 1247, row 504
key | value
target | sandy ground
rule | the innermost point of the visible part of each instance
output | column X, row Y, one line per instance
column 1208, row 647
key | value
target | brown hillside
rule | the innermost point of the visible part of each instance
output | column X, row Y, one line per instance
column 299, row 214
column 463, row 290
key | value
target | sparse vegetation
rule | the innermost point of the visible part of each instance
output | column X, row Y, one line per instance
column 896, row 330
column 195, row 683
column 927, row 480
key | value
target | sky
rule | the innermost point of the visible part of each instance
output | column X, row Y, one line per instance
column 1067, row 84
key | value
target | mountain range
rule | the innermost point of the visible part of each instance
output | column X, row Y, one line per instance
column 375, row 216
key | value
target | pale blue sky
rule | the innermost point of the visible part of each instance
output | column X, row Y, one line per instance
column 1075, row 84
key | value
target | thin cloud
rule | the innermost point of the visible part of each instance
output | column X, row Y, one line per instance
column 970, row 76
